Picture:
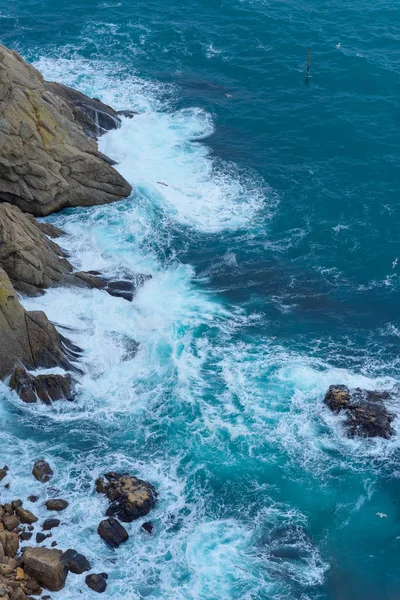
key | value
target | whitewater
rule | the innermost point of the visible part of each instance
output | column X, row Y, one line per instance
column 190, row 386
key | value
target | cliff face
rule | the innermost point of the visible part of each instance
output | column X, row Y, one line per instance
column 48, row 159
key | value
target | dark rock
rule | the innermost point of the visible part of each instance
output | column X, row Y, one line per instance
column 40, row 537
column 123, row 288
column 7, row 486
column 112, row 532
column 367, row 415
column 56, row 504
column 47, row 566
column 16, row 504
column 47, row 388
column 8, row 509
column 97, row 583
column 25, row 516
column 3, row 472
column 77, row 563
column 127, row 113
column 50, row 523
column 148, row 526
column 26, row 535
column 30, row 528
column 33, row 498
column 53, row 544
column 11, row 522
column 130, row 498
column 42, row 471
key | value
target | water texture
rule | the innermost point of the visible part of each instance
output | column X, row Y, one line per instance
column 271, row 251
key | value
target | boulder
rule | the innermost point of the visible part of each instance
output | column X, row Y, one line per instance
column 47, row 160
column 42, row 471
column 130, row 498
column 25, row 516
column 26, row 337
column 40, row 537
column 3, row 472
column 33, row 498
column 367, row 415
column 112, row 532
column 47, row 566
column 56, row 504
column 10, row 543
column 50, row 524
column 77, row 563
column 11, row 522
column 96, row 582
column 121, row 288
column 46, row 388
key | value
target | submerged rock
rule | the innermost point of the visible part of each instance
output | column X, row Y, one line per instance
column 48, row 161
column 367, row 415
column 97, row 582
column 47, row 566
column 148, row 526
column 42, row 471
column 77, row 563
column 47, row 388
column 112, row 532
column 130, row 498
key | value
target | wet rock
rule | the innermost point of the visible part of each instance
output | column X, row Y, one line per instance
column 25, row 516
column 112, row 532
column 16, row 504
column 77, row 563
column 96, row 582
column 127, row 113
column 40, row 537
column 123, row 288
column 10, row 543
column 25, row 535
column 50, row 524
column 46, row 388
column 42, row 471
column 3, row 472
column 56, row 504
column 367, row 415
column 148, row 526
column 33, row 498
column 130, row 498
column 11, row 522
column 47, row 566
column 48, row 160
column 53, row 544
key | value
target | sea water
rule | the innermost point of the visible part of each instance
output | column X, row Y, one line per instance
column 272, row 252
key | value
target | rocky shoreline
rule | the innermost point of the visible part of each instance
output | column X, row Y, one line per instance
column 49, row 160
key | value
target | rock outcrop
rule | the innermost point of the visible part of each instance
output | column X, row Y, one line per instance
column 46, row 388
column 130, row 498
column 27, row 338
column 367, row 415
column 47, row 160
column 42, row 471
column 47, row 566
column 77, row 563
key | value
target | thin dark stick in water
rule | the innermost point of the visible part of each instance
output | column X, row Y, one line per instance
column 162, row 183
column 308, row 64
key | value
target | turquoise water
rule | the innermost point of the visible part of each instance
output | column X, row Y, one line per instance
column 272, row 252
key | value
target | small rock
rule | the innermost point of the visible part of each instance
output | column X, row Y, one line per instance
column 97, row 583
column 148, row 526
column 112, row 532
column 50, row 523
column 11, row 522
column 25, row 516
column 47, row 566
column 20, row 574
column 9, row 509
column 77, row 563
column 26, row 535
column 53, row 544
column 56, row 504
column 42, row 471
column 3, row 472
column 33, row 498
column 16, row 504
column 30, row 528
column 130, row 497
column 40, row 537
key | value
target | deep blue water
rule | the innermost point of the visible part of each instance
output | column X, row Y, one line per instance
column 272, row 252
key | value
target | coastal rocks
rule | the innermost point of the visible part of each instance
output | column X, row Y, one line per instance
column 47, row 566
column 367, row 415
column 32, row 261
column 3, row 472
column 130, row 498
column 47, row 160
column 47, row 388
column 50, row 524
column 112, row 532
column 9, row 542
column 148, row 526
column 42, row 471
column 25, row 516
column 27, row 337
column 77, row 563
column 122, row 288
column 57, row 504
column 97, row 582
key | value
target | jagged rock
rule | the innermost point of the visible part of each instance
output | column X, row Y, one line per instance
column 42, row 471
column 96, row 582
column 47, row 388
column 112, row 532
column 129, row 114
column 25, row 516
column 10, row 543
column 50, row 524
column 56, row 504
column 130, row 498
column 3, row 472
column 47, row 160
column 77, row 563
column 122, row 288
column 367, row 416
column 47, row 566
column 32, row 261
column 148, row 526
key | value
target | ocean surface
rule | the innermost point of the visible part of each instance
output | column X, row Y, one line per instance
column 272, row 253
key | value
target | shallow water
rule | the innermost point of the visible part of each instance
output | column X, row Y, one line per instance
column 271, row 252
